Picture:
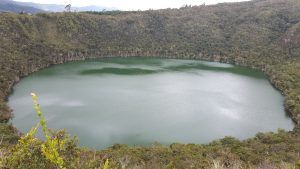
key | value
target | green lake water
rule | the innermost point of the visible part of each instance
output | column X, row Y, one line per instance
column 139, row 101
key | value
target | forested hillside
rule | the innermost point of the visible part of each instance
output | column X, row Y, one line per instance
column 12, row 6
column 262, row 34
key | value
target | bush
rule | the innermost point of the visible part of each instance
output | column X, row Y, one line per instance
column 57, row 151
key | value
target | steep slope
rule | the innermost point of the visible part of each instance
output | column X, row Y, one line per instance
column 262, row 34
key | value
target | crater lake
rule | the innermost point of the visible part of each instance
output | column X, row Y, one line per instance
column 140, row 101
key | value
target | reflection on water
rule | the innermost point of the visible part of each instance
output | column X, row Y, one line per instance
column 138, row 101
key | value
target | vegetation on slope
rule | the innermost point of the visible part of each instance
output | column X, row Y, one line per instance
column 12, row 6
column 59, row 150
column 262, row 34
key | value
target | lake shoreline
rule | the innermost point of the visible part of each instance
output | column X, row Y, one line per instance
column 168, row 88
column 77, row 56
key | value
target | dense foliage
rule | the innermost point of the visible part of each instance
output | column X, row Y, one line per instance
column 262, row 34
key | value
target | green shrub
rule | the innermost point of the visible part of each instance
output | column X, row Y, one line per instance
column 57, row 151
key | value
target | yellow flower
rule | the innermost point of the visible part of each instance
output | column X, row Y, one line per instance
column 34, row 96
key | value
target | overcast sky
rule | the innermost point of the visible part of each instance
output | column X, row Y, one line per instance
column 132, row 4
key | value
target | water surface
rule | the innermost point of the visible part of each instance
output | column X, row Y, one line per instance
column 139, row 101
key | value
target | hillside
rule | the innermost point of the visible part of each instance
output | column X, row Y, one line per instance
column 30, row 7
column 261, row 34
column 11, row 6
